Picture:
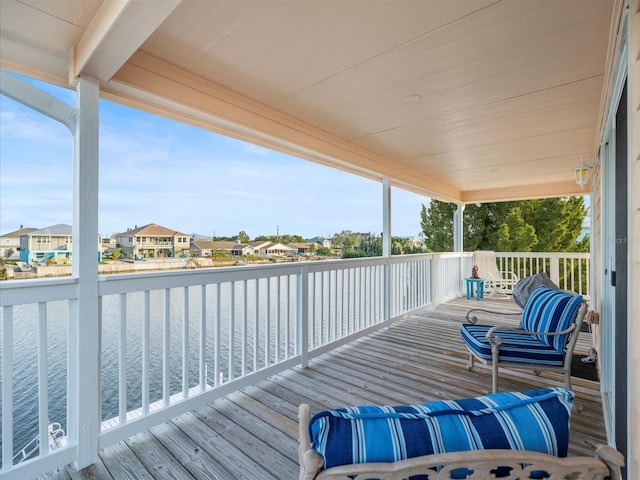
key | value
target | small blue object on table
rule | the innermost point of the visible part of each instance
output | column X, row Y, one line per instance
column 479, row 287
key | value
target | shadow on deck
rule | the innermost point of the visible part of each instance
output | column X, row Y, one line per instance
column 252, row 434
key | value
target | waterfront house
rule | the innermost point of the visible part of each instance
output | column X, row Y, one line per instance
column 203, row 248
column 466, row 102
column 152, row 241
column 50, row 245
column 299, row 248
column 259, row 245
column 320, row 241
column 10, row 242
column 274, row 250
column 242, row 250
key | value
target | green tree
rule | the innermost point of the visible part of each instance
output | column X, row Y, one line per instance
column 216, row 238
column 346, row 240
column 403, row 246
column 219, row 254
column 324, row 252
column 3, row 270
column 437, row 226
column 556, row 223
column 482, row 223
column 364, row 246
column 287, row 238
column 243, row 237
column 371, row 246
column 516, row 235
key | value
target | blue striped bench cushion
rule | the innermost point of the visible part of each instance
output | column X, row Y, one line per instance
column 550, row 310
column 515, row 347
column 537, row 420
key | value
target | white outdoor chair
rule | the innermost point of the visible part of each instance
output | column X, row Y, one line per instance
column 495, row 281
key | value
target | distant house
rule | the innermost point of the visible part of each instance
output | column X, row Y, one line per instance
column 260, row 244
column 274, row 250
column 417, row 241
column 153, row 241
column 322, row 241
column 264, row 249
column 202, row 248
column 10, row 242
column 108, row 242
column 245, row 249
column 242, row 250
column 50, row 245
column 300, row 248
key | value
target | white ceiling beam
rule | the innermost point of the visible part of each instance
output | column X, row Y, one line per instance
column 119, row 28
column 524, row 192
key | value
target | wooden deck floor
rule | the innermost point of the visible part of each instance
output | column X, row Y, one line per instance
column 252, row 434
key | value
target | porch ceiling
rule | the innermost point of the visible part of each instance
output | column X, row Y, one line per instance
column 467, row 100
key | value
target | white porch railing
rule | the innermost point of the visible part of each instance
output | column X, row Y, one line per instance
column 570, row 271
column 173, row 341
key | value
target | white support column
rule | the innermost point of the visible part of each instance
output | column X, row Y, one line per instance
column 458, row 238
column 386, row 218
column 85, row 363
column 458, row 228
column 386, row 245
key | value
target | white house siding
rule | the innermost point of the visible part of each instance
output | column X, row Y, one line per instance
column 242, row 250
column 279, row 249
column 11, row 241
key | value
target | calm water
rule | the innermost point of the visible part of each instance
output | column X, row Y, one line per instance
column 25, row 399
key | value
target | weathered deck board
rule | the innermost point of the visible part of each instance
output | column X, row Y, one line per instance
column 188, row 452
column 252, row 434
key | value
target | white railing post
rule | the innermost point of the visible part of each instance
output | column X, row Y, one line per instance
column 435, row 265
column 84, row 414
column 386, row 298
column 302, row 316
column 554, row 269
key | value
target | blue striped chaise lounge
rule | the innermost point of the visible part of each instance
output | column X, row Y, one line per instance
column 544, row 339
column 509, row 434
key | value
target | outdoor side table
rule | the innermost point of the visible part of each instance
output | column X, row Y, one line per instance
column 479, row 287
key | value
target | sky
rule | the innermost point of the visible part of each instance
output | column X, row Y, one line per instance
column 156, row 170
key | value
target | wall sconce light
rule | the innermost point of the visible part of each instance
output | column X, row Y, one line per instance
column 582, row 171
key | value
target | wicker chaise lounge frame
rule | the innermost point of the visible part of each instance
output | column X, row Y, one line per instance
column 605, row 464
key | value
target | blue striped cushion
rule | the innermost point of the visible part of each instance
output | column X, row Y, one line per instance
column 550, row 310
column 515, row 347
column 537, row 420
